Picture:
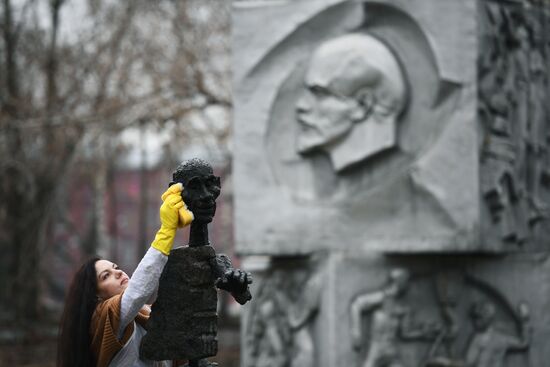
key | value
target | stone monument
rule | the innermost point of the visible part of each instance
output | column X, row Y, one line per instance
column 397, row 152
column 183, row 322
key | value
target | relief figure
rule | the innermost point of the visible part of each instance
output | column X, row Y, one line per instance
column 270, row 333
column 281, row 334
column 513, row 88
column 489, row 346
column 355, row 92
column 302, row 313
column 390, row 322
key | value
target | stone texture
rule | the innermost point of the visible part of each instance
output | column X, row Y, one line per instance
column 278, row 326
column 183, row 324
column 184, row 319
column 402, row 199
column 439, row 187
column 515, row 121
column 432, row 248
column 431, row 323
column 439, row 301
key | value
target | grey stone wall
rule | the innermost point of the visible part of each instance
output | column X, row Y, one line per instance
column 419, row 192
column 392, row 160
column 357, row 311
column 513, row 91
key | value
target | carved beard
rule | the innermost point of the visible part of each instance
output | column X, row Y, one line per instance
column 312, row 136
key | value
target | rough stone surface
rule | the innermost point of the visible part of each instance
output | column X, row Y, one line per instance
column 401, row 198
column 404, row 226
column 438, row 174
column 408, row 310
column 513, row 91
column 278, row 327
column 183, row 323
column 435, row 317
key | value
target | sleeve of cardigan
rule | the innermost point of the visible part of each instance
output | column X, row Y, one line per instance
column 141, row 286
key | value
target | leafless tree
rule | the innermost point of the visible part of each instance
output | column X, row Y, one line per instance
column 72, row 77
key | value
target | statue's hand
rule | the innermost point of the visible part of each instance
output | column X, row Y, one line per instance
column 236, row 282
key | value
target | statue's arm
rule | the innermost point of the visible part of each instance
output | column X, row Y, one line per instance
column 234, row 281
column 408, row 330
column 364, row 303
column 523, row 341
column 308, row 304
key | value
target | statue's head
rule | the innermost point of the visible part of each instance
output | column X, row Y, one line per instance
column 351, row 80
column 399, row 279
column 200, row 188
column 483, row 315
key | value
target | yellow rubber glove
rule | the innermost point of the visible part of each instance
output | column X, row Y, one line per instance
column 185, row 215
column 169, row 219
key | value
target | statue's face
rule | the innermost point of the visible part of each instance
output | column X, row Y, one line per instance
column 200, row 194
column 323, row 113
column 350, row 79
column 483, row 317
column 200, row 189
column 400, row 278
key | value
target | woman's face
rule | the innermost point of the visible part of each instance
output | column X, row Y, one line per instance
column 110, row 279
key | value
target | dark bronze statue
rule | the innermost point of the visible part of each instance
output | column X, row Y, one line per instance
column 183, row 322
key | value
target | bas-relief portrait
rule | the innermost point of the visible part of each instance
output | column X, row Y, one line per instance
column 354, row 91
column 365, row 118
column 344, row 122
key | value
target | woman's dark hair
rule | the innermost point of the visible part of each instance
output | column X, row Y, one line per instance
column 73, row 348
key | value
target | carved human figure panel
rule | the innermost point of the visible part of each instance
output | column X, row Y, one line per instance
column 354, row 93
column 513, row 87
column 390, row 321
column 489, row 346
column 280, row 331
column 456, row 320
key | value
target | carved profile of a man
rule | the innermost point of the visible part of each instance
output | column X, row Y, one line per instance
column 355, row 92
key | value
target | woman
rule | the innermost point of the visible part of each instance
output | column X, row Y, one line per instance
column 105, row 310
